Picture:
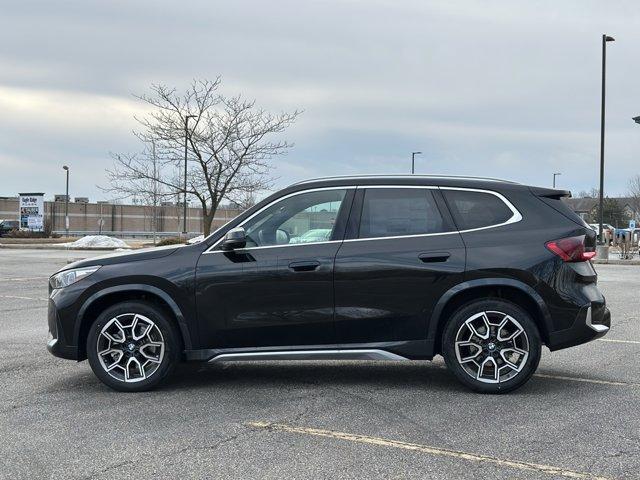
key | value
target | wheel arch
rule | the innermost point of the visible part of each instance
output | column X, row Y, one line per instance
column 103, row 299
column 501, row 288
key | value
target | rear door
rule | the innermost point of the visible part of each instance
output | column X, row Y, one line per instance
column 401, row 253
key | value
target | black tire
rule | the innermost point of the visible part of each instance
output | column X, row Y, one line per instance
column 168, row 359
column 527, row 365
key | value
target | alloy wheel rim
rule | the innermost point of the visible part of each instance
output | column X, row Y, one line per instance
column 492, row 347
column 130, row 347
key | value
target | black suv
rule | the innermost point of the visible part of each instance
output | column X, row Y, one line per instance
column 481, row 271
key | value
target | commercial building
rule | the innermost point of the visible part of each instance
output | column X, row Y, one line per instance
column 118, row 220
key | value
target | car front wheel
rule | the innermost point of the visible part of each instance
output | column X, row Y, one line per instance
column 492, row 346
column 132, row 346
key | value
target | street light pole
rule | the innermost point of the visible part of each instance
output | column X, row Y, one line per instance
column 66, row 203
column 184, row 206
column 554, row 178
column 605, row 39
column 413, row 161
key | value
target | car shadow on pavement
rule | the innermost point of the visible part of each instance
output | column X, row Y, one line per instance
column 422, row 375
column 291, row 375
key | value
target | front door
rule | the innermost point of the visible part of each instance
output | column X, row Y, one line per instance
column 278, row 290
column 402, row 252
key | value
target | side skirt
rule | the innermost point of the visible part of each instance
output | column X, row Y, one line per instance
column 363, row 354
column 394, row 350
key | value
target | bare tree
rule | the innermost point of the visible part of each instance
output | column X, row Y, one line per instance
column 229, row 143
column 633, row 190
column 593, row 193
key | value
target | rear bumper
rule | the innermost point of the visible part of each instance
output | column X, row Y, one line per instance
column 593, row 321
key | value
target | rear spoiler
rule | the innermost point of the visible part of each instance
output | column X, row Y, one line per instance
column 550, row 193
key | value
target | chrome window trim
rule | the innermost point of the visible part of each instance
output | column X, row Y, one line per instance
column 515, row 218
column 278, row 200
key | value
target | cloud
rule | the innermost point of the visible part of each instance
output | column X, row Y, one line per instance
column 497, row 88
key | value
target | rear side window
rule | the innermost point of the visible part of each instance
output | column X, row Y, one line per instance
column 476, row 209
column 390, row 212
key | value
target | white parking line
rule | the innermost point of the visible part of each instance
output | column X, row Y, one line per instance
column 437, row 451
column 21, row 279
column 613, row 340
column 587, row 380
column 19, row 297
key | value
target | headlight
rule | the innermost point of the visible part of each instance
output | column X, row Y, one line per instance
column 68, row 277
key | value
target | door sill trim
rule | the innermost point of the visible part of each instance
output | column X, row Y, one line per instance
column 336, row 354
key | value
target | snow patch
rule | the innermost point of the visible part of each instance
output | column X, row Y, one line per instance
column 98, row 241
column 197, row 239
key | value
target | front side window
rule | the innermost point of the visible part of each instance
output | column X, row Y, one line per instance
column 476, row 209
column 304, row 218
column 391, row 212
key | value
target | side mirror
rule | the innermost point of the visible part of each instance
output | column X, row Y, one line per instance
column 234, row 238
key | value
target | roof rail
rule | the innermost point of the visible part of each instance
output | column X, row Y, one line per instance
column 338, row 177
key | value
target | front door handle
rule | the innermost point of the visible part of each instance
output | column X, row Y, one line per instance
column 307, row 266
column 434, row 257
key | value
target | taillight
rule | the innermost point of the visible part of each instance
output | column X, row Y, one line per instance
column 570, row 249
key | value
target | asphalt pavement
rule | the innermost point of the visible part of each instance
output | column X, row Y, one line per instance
column 579, row 417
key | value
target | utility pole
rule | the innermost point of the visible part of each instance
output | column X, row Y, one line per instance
column 66, row 203
column 554, row 179
column 154, row 218
column 413, row 161
column 184, row 206
column 605, row 39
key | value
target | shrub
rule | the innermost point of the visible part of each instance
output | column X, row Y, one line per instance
column 170, row 241
column 26, row 234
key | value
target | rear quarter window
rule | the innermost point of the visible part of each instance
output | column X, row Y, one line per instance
column 476, row 209
column 560, row 206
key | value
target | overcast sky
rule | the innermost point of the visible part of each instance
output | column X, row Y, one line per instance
column 506, row 89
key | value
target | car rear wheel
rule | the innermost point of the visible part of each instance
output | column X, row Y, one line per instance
column 492, row 346
column 132, row 346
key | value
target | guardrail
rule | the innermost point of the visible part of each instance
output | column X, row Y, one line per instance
column 125, row 234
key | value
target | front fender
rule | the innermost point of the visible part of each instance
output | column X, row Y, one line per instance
column 135, row 287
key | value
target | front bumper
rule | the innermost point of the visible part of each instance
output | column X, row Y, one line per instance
column 57, row 343
column 593, row 321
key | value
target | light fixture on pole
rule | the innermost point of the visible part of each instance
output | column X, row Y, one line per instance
column 184, row 206
column 605, row 39
column 636, row 119
column 554, row 178
column 413, row 161
column 66, row 203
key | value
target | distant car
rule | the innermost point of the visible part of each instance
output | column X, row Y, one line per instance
column 7, row 226
column 607, row 228
column 315, row 235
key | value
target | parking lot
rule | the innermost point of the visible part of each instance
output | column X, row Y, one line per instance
column 577, row 418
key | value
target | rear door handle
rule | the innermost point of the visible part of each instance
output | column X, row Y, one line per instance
column 434, row 257
column 307, row 266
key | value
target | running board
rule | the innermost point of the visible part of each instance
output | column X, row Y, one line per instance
column 362, row 354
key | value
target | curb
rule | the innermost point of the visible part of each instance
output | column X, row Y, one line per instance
column 53, row 246
column 614, row 261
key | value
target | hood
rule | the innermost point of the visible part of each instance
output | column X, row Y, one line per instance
column 125, row 257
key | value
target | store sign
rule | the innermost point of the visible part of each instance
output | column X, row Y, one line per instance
column 31, row 211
